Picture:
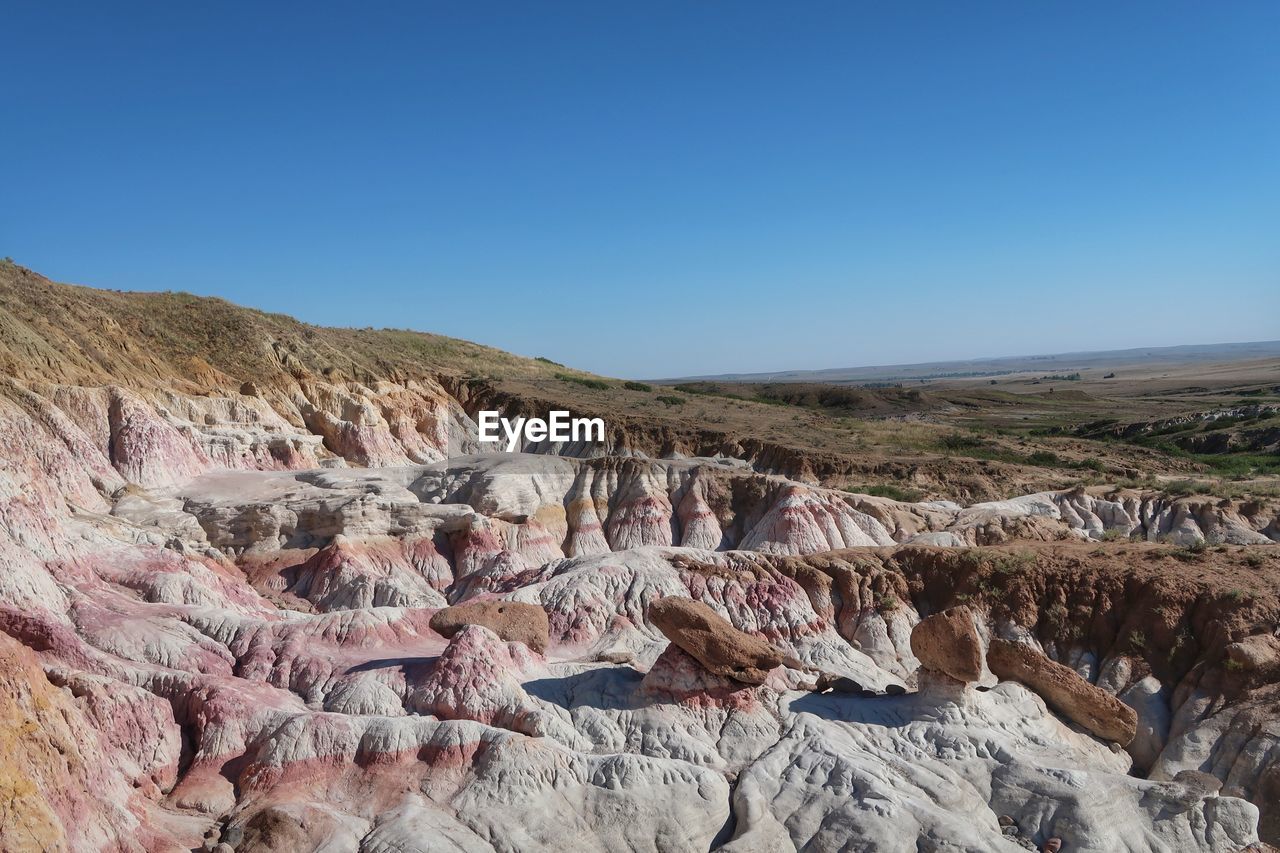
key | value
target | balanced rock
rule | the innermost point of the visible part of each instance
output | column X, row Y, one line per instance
column 512, row 621
column 1063, row 690
column 948, row 642
column 708, row 638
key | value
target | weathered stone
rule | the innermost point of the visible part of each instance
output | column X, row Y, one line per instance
column 512, row 621
column 1198, row 782
column 707, row 637
column 1063, row 690
column 1259, row 653
column 948, row 642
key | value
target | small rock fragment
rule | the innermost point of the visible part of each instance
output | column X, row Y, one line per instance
column 1197, row 781
column 1258, row 653
column 616, row 656
column 840, row 684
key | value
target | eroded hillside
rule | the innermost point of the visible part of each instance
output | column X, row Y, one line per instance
column 233, row 549
column 364, row 392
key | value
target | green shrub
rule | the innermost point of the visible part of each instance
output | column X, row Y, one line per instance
column 584, row 381
column 671, row 400
column 888, row 490
column 1182, row 488
column 637, row 386
column 960, row 441
column 1044, row 459
column 1191, row 553
column 1010, row 563
column 886, row 602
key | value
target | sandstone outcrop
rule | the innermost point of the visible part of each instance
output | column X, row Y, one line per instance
column 225, row 624
column 949, row 643
column 709, row 638
column 1064, row 690
column 512, row 621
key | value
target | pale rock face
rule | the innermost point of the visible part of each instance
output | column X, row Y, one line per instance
column 146, row 448
column 540, row 508
column 642, row 515
column 68, row 773
column 345, row 575
column 478, row 677
column 806, row 522
column 1237, row 743
column 1150, row 701
column 136, row 724
column 886, row 639
column 896, row 773
column 698, row 521
column 1179, row 521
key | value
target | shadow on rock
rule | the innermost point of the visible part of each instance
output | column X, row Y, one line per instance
column 611, row 688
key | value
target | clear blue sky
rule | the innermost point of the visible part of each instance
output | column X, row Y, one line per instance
column 655, row 189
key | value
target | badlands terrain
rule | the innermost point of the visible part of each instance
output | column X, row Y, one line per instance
column 262, row 589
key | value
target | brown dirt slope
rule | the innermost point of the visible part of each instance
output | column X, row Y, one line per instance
column 936, row 442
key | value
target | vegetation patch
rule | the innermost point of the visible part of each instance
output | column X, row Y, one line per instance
column 888, row 490
column 584, row 381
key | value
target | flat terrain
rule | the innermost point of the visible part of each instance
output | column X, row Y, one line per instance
column 1133, row 362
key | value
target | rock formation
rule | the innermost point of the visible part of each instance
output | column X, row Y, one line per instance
column 948, row 642
column 293, row 608
column 707, row 637
column 1064, row 690
column 512, row 621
